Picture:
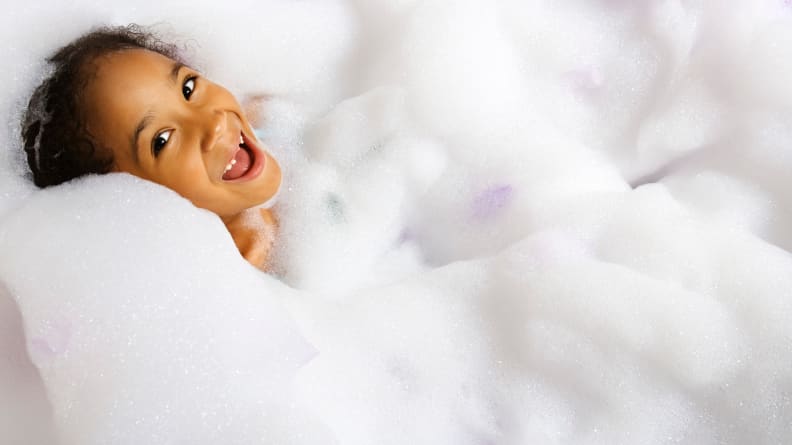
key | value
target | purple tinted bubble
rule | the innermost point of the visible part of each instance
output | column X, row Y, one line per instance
column 305, row 354
column 584, row 81
column 40, row 348
column 491, row 201
column 54, row 342
column 406, row 235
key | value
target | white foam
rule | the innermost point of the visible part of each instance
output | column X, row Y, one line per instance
column 507, row 222
column 198, row 317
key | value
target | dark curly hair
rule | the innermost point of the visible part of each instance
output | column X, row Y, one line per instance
column 56, row 141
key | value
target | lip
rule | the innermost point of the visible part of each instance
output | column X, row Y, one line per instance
column 258, row 157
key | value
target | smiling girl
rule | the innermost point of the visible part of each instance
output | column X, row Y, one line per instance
column 120, row 100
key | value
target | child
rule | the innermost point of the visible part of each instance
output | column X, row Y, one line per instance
column 120, row 100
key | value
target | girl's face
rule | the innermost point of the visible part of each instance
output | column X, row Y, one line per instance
column 167, row 124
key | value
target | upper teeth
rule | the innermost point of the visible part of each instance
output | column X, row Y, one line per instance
column 233, row 161
column 230, row 164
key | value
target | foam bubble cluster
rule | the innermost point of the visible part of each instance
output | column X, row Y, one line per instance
column 501, row 222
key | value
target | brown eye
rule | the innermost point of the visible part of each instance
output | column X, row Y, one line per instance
column 159, row 142
column 188, row 87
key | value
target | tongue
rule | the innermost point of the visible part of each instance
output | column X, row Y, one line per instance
column 241, row 167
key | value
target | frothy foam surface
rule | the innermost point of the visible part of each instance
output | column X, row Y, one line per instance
column 501, row 222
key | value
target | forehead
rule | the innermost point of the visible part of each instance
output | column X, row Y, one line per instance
column 124, row 86
column 129, row 63
column 129, row 73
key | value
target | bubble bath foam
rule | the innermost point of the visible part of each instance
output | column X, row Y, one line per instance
column 501, row 222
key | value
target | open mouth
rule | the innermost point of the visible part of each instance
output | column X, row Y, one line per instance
column 246, row 163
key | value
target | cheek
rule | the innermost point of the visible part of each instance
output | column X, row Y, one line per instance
column 187, row 176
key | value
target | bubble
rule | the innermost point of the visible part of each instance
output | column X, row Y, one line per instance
column 508, row 221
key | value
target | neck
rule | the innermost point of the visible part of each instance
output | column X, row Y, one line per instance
column 232, row 219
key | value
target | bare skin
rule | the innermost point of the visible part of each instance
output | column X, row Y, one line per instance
column 166, row 123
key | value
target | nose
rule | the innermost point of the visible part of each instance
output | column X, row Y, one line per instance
column 214, row 127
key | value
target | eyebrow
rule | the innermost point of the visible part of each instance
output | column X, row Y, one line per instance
column 174, row 74
column 149, row 116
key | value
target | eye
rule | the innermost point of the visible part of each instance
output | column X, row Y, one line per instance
column 188, row 87
column 159, row 142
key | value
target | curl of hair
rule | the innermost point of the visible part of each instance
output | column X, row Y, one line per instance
column 56, row 141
